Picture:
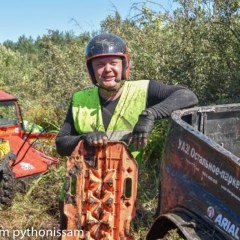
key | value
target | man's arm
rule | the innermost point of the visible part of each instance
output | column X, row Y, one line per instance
column 67, row 138
column 163, row 99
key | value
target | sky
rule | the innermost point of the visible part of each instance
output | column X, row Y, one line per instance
column 35, row 17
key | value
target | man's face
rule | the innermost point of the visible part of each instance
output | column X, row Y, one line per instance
column 106, row 70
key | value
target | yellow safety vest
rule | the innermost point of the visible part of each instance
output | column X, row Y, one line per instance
column 87, row 113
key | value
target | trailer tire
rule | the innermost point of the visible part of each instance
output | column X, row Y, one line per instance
column 7, row 186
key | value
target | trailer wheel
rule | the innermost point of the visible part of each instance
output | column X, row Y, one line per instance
column 7, row 186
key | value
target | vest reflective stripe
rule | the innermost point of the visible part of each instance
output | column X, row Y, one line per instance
column 87, row 113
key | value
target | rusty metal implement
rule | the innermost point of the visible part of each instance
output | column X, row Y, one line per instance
column 100, row 192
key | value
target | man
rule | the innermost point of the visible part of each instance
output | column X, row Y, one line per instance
column 116, row 109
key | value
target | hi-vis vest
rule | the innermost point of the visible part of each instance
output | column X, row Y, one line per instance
column 87, row 113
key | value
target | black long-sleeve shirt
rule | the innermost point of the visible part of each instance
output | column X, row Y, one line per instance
column 162, row 100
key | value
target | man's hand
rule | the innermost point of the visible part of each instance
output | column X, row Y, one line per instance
column 141, row 130
column 96, row 139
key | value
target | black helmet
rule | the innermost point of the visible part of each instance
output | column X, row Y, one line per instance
column 107, row 45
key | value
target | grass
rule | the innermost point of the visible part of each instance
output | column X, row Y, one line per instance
column 37, row 209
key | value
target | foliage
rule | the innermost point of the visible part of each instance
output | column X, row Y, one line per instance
column 191, row 46
column 196, row 45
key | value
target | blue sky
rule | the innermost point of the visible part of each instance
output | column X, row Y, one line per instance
column 35, row 17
